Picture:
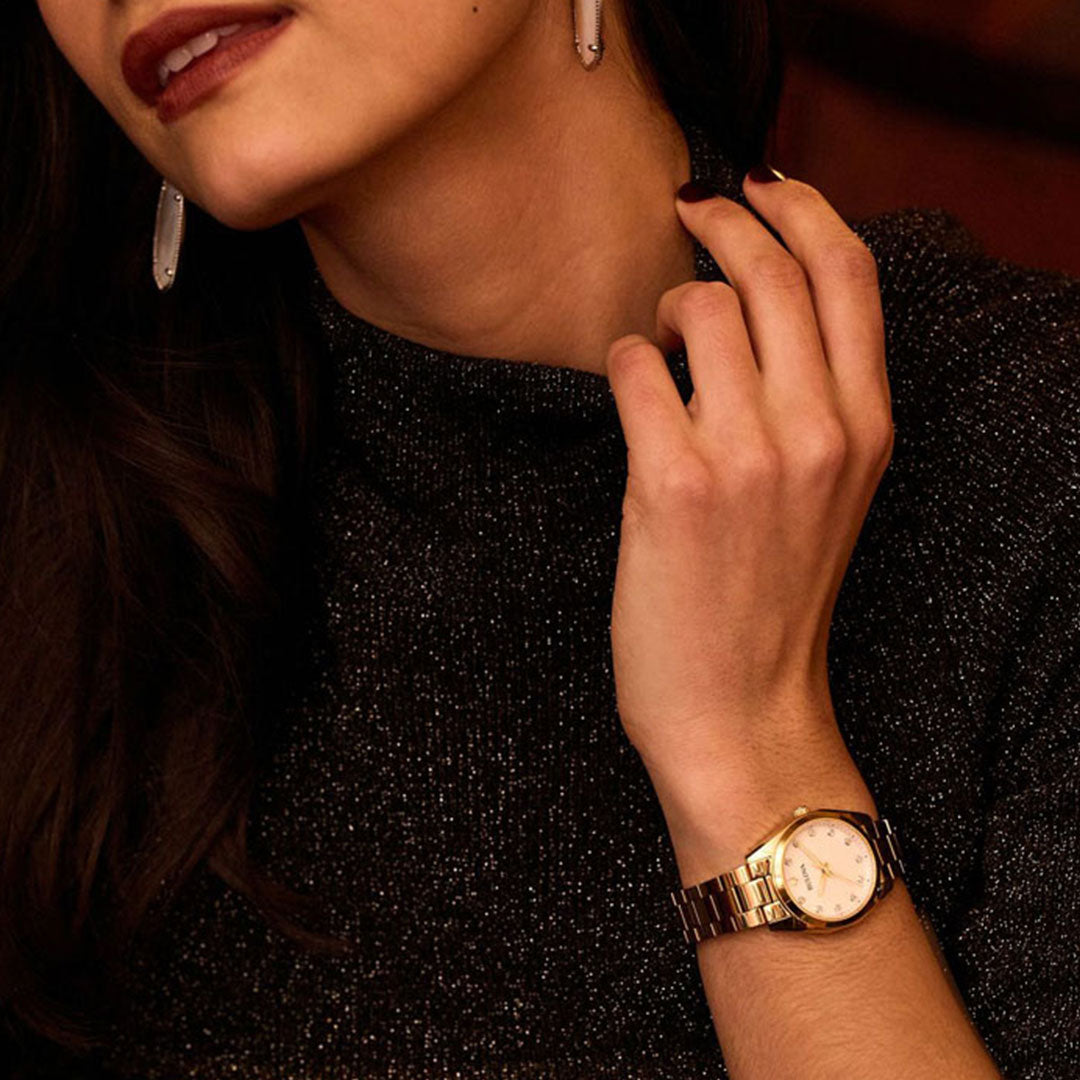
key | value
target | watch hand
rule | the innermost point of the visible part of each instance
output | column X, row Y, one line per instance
column 842, row 877
column 821, row 887
column 813, row 858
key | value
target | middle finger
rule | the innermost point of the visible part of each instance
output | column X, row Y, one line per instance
column 774, row 290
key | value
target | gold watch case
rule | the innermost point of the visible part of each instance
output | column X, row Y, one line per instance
column 773, row 848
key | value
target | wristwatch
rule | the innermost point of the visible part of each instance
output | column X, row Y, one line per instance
column 821, row 871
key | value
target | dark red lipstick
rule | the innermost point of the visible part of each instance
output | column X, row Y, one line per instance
column 146, row 49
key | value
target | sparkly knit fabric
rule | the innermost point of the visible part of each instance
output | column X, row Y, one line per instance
column 450, row 772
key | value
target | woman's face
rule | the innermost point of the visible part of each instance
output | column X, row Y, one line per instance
column 340, row 83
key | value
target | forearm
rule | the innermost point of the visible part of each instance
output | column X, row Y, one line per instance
column 872, row 999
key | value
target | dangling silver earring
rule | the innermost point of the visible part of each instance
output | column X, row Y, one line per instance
column 168, row 235
column 588, row 40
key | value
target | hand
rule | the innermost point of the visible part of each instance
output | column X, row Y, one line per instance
column 742, row 508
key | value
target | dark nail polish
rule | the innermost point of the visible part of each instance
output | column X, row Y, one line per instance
column 766, row 174
column 695, row 191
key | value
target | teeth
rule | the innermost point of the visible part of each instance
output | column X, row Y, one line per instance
column 179, row 58
column 202, row 44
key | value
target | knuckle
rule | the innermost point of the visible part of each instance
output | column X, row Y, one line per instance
column 806, row 195
column 717, row 212
column 635, row 509
column 884, row 438
column 627, row 352
column 756, row 466
column 702, row 300
column 686, row 484
column 800, row 189
column 778, row 271
column 825, row 448
column 876, row 437
column 849, row 259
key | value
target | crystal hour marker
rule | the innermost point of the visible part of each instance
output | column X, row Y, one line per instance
column 837, row 851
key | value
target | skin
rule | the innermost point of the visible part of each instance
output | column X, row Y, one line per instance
column 743, row 507
column 463, row 182
column 740, row 515
column 460, row 178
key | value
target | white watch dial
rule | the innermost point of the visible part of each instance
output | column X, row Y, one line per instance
column 828, row 869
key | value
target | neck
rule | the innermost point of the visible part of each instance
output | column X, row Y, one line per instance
column 532, row 218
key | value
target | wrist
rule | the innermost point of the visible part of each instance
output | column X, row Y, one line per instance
column 718, row 811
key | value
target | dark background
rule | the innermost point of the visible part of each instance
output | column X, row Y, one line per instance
column 970, row 105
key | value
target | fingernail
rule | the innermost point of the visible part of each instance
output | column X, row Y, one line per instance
column 695, row 191
column 765, row 174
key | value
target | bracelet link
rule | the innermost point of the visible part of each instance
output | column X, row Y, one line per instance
column 746, row 896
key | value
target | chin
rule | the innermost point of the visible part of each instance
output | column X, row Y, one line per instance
column 245, row 212
column 252, row 185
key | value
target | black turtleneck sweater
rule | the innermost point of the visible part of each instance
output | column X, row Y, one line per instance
column 450, row 772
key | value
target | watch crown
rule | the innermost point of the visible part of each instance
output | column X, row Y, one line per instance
column 800, row 810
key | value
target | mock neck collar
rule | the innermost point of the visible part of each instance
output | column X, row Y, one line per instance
column 374, row 372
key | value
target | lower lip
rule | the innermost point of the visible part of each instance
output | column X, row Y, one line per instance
column 202, row 78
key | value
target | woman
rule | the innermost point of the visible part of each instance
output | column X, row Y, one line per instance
column 314, row 562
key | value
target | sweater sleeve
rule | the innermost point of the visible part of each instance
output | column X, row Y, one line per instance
column 998, row 399
column 984, row 359
column 1017, row 948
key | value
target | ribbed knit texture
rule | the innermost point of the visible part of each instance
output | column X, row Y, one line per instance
column 450, row 771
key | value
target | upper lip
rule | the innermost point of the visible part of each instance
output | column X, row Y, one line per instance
column 146, row 48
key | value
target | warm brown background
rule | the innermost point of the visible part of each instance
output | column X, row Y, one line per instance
column 971, row 105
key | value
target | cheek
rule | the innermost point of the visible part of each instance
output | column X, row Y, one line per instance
column 332, row 93
column 270, row 148
column 79, row 31
column 347, row 80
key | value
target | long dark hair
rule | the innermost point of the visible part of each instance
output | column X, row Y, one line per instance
column 153, row 454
